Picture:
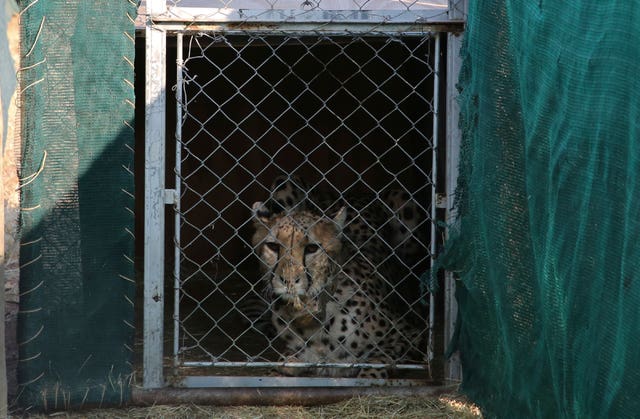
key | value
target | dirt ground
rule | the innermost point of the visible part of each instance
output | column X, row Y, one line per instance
column 445, row 406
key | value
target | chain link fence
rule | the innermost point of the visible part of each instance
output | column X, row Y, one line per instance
column 345, row 119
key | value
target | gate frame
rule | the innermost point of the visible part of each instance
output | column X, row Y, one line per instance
column 157, row 23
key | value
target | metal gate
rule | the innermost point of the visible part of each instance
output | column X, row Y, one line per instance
column 342, row 108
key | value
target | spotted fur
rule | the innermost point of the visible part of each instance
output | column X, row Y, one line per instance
column 287, row 193
column 406, row 229
column 330, row 287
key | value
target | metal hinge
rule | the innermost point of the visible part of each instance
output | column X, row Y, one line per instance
column 441, row 200
column 170, row 197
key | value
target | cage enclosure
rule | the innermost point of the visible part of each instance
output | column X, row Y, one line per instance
column 276, row 139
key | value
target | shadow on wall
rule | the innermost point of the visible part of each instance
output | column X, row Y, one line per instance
column 77, row 285
column 76, row 322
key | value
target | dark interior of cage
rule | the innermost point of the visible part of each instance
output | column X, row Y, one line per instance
column 350, row 118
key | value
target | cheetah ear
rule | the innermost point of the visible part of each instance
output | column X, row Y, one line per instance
column 340, row 218
column 261, row 213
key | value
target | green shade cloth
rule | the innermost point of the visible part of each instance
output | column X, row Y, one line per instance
column 548, row 242
column 76, row 322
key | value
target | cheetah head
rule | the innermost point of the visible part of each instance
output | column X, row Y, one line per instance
column 300, row 254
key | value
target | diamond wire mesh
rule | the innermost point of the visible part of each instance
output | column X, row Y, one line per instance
column 351, row 116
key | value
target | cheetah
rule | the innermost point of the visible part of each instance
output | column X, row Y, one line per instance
column 328, row 281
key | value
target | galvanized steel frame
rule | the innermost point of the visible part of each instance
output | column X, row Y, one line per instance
column 157, row 196
column 303, row 381
column 154, row 171
column 458, row 10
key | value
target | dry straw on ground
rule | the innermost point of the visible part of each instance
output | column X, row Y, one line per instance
column 446, row 406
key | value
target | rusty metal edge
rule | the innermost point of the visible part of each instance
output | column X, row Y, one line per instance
column 274, row 396
column 455, row 27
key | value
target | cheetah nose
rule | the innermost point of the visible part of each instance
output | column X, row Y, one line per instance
column 294, row 286
column 293, row 273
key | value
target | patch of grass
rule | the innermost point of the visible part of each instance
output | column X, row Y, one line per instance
column 445, row 406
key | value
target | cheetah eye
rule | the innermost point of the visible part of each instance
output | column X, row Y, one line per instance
column 311, row 248
column 273, row 246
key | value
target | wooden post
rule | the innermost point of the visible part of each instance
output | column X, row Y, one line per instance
column 3, row 364
column 8, row 20
column 10, row 210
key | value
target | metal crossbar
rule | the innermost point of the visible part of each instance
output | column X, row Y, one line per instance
column 309, row 14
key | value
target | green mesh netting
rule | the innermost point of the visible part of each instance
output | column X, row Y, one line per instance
column 548, row 250
column 76, row 310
